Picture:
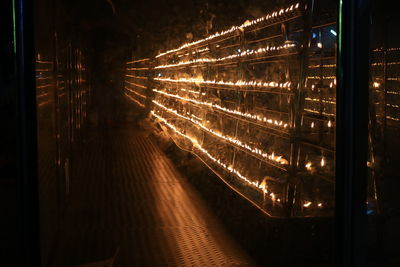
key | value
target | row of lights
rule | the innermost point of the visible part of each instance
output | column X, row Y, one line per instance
column 245, row 53
column 198, row 51
column 272, row 84
column 269, row 17
column 227, row 110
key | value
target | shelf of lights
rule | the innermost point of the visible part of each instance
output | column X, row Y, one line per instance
column 137, row 77
column 136, row 93
column 137, row 68
column 240, row 83
column 253, row 151
column 134, row 100
column 272, row 17
column 227, row 167
column 268, row 121
column 321, row 78
column 320, row 100
column 392, row 118
column 137, row 61
column 240, row 54
column 393, row 92
column 135, row 84
column 319, row 112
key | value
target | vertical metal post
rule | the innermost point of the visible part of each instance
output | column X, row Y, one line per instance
column 28, row 203
column 352, row 132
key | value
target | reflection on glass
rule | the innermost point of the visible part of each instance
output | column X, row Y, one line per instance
column 256, row 104
column 384, row 143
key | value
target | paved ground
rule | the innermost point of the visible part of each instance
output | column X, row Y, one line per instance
column 128, row 196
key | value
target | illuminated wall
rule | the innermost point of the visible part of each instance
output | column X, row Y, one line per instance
column 256, row 104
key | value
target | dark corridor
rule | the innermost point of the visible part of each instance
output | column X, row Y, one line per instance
column 132, row 202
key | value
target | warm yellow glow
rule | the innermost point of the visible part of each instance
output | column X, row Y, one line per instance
column 219, row 162
column 307, row 204
column 271, row 84
column 254, row 150
column 247, row 115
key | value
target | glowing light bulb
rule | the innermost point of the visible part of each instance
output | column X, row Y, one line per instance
column 308, row 165
column 322, row 162
column 307, row 204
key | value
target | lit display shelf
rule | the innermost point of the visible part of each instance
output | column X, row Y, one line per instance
column 256, row 104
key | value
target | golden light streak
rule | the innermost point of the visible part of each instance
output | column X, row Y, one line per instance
column 136, row 93
column 137, row 61
column 135, row 84
column 138, row 68
column 135, row 100
column 137, row 77
column 227, row 110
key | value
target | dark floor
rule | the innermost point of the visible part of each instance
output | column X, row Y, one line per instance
column 127, row 196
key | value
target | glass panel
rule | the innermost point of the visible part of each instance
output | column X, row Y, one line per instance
column 8, row 150
column 62, row 92
column 384, row 144
column 256, row 103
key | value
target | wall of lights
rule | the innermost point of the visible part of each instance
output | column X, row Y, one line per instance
column 255, row 104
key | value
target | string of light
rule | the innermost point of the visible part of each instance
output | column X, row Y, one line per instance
column 248, row 52
column 136, row 93
column 272, row 84
column 227, row 110
column 135, row 84
column 134, row 100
